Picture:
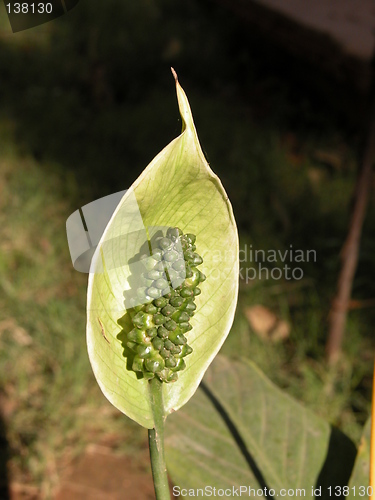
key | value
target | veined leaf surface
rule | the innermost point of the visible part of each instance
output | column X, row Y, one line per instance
column 178, row 188
column 239, row 429
column 359, row 481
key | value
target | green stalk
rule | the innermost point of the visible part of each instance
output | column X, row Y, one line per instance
column 156, row 441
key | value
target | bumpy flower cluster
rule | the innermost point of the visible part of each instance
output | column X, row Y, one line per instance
column 168, row 302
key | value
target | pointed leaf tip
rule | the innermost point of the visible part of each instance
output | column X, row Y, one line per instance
column 174, row 74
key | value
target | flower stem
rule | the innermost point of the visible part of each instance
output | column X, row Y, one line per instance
column 156, row 441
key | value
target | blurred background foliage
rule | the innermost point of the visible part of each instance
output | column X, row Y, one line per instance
column 86, row 102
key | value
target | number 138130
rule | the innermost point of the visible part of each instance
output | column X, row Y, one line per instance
column 338, row 491
column 29, row 8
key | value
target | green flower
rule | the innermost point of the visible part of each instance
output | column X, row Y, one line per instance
column 157, row 339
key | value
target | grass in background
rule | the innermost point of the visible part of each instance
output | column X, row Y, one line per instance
column 51, row 403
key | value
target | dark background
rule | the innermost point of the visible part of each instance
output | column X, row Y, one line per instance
column 88, row 100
